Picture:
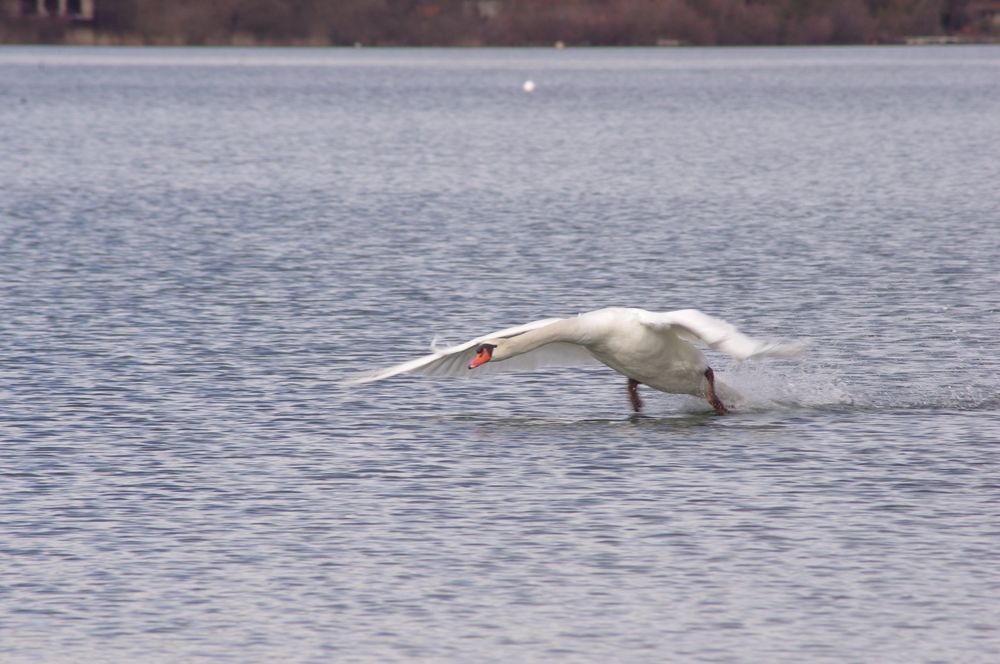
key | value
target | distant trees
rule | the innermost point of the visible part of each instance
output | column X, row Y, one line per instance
column 729, row 22
column 515, row 22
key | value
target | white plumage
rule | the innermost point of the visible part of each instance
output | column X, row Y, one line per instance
column 651, row 348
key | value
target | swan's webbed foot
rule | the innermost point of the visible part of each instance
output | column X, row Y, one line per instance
column 633, row 394
column 713, row 398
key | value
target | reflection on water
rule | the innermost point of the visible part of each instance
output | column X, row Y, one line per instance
column 199, row 246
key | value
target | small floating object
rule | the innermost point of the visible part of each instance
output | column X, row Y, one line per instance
column 529, row 86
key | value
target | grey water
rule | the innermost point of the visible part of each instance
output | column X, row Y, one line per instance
column 197, row 246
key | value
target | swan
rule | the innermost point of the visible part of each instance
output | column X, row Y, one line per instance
column 651, row 348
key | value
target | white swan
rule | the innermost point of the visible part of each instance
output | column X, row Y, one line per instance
column 648, row 347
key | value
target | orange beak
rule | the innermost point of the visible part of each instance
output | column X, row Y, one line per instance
column 482, row 357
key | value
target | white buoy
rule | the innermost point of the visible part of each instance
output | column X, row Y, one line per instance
column 529, row 86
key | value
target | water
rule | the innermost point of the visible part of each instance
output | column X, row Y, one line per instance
column 198, row 245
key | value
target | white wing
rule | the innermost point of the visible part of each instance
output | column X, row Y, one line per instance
column 454, row 361
column 717, row 334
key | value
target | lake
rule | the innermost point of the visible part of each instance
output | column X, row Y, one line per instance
column 197, row 246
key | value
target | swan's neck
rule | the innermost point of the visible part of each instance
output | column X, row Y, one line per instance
column 563, row 330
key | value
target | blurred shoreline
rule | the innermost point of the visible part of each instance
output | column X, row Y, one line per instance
column 489, row 23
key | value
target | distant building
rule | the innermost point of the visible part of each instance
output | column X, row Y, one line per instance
column 484, row 8
column 73, row 10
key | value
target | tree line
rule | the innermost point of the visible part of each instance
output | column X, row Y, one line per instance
column 511, row 22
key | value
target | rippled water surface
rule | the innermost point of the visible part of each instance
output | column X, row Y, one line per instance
column 198, row 245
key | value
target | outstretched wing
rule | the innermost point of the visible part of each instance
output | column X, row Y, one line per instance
column 454, row 361
column 717, row 334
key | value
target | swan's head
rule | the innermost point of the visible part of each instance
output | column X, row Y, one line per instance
column 484, row 353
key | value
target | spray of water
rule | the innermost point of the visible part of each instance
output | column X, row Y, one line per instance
column 758, row 387
column 761, row 387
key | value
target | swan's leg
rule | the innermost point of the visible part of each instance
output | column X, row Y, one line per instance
column 633, row 394
column 713, row 398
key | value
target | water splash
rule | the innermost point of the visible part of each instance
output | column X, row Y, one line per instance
column 762, row 387
column 766, row 387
